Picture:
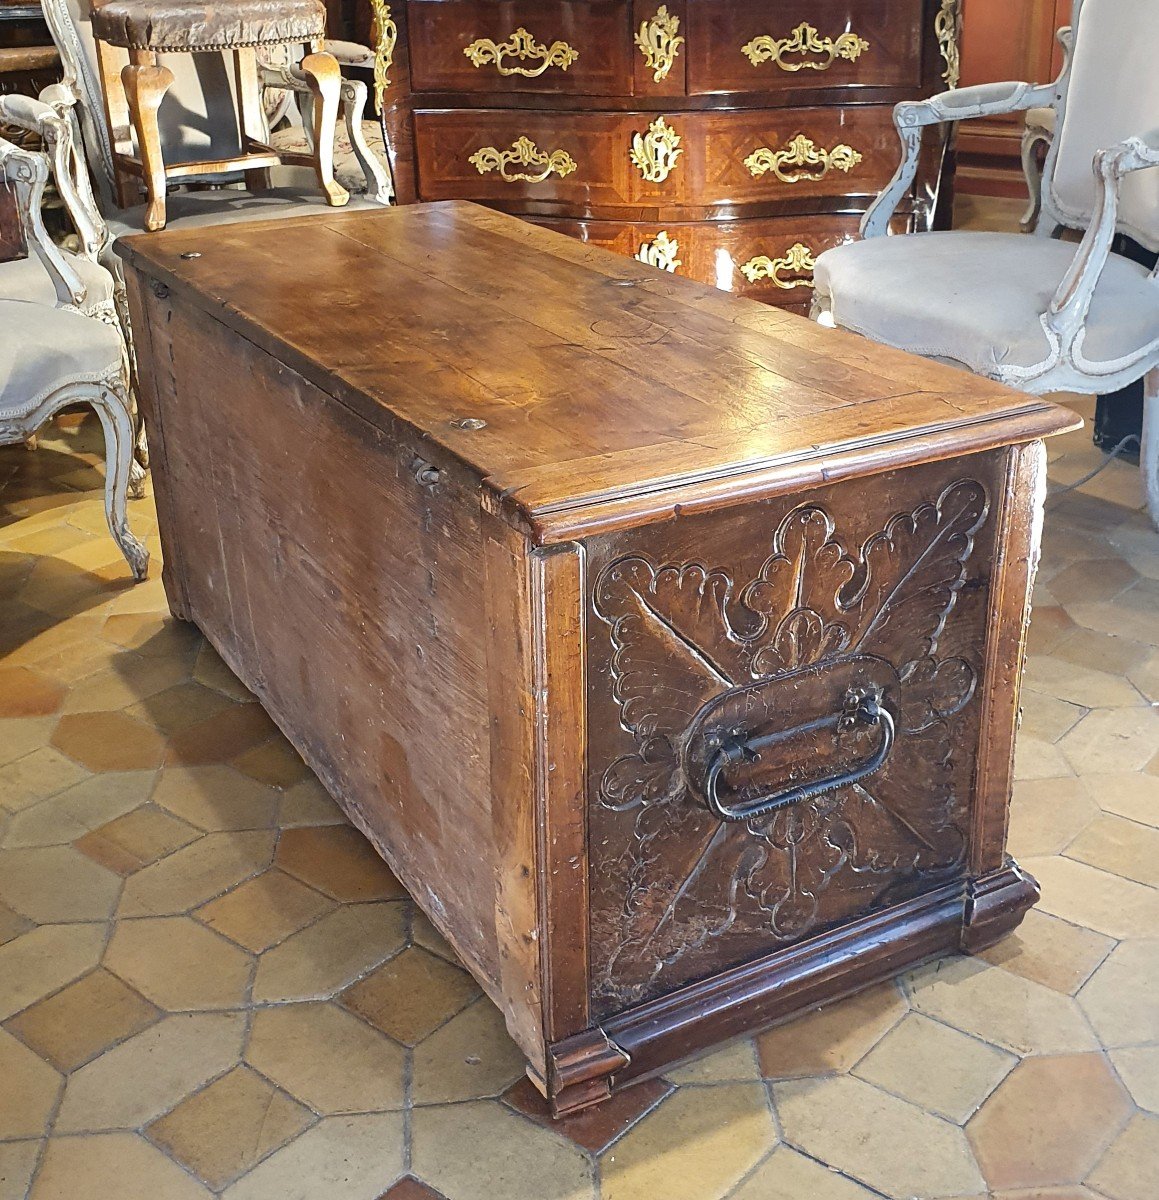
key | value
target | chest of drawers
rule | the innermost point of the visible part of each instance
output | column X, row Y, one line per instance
column 666, row 644
column 731, row 141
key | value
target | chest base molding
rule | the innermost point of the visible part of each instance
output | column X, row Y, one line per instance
column 644, row 1041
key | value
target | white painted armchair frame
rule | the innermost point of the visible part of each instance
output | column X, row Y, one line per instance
column 1065, row 367
column 26, row 173
column 53, row 119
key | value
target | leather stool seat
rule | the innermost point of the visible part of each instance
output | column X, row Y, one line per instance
column 190, row 25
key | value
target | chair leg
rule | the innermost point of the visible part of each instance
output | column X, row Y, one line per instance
column 112, row 406
column 146, row 83
column 1149, row 450
column 325, row 80
column 379, row 185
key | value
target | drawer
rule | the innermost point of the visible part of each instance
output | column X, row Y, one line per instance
column 594, row 161
column 526, row 46
column 790, row 153
column 768, row 259
column 796, row 45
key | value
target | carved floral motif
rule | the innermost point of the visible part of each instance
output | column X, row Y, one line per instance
column 689, row 640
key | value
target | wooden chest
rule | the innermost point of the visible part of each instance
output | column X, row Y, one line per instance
column 665, row 644
column 730, row 141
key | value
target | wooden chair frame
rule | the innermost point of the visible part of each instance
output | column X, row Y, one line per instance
column 81, row 98
column 134, row 93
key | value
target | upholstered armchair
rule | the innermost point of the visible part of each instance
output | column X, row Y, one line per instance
column 192, row 127
column 1039, row 314
column 60, row 345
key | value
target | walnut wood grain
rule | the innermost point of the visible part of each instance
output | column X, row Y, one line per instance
column 711, row 172
column 442, row 110
column 440, row 31
column 719, row 29
column 897, row 590
column 508, row 553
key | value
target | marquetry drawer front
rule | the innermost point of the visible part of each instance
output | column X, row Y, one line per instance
column 582, row 160
column 788, row 154
column 769, row 259
column 530, row 46
column 619, row 160
column 782, row 729
column 795, row 45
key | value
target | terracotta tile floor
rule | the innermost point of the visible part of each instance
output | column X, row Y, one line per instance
column 210, row 986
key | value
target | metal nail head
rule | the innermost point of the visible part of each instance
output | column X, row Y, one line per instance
column 469, row 423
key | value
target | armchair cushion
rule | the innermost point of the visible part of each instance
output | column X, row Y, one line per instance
column 42, row 349
column 189, row 25
column 976, row 298
column 26, row 279
column 347, row 170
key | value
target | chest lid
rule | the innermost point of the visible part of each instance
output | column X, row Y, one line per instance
column 609, row 393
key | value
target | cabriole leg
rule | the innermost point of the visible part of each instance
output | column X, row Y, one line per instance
column 146, row 83
column 112, row 406
column 325, row 80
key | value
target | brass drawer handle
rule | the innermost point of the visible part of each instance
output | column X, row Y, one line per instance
column 805, row 40
column 659, row 43
column 802, row 152
column 522, row 46
column 660, row 252
column 654, row 153
column 798, row 259
column 524, row 153
column 860, row 708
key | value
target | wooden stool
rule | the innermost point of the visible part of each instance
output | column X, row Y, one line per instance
column 236, row 28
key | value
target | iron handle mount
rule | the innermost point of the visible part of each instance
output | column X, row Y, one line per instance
column 861, row 708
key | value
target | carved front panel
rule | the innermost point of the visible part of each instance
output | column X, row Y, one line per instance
column 783, row 719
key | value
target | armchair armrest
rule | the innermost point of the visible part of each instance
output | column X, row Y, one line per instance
column 26, row 113
column 981, row 100
column 351, row 54
column 26, row 172
column 51, row 117
column 910, row 117
column 1071, row 303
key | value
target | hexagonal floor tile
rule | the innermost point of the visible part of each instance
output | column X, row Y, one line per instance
column 1122, row 997
column 178, row 964
column 1049, row 1121
column 339, row 861
column 112, row 1164
column 872, row 1136
column 327, row 1058
column 832, row 1038
column 230, row 1126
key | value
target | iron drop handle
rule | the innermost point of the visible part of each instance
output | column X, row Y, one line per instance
column 861, row 707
